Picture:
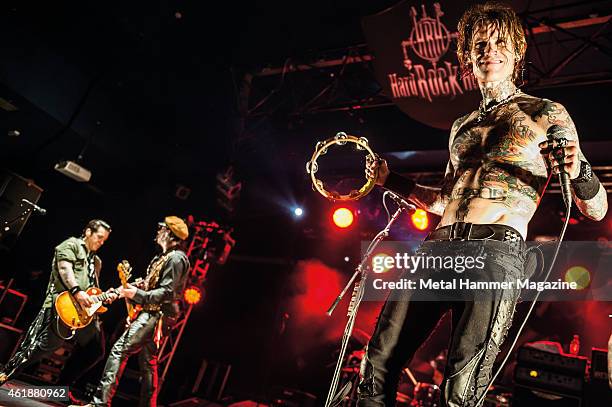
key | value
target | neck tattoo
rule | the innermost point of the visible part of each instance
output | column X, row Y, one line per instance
column 495, row 96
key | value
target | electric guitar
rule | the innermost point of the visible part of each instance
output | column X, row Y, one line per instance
column 124, row 276
column 76, row 316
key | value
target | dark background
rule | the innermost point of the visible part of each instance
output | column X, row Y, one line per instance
column 150, row 98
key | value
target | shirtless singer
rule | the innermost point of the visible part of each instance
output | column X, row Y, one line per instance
column 501, row 157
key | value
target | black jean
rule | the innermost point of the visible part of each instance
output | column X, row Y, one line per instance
column 137, row 338
column 43, row 338
column 478, row 330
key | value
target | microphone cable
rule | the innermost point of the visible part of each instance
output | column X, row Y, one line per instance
column 568, row 206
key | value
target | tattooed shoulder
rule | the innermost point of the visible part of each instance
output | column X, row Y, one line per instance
column 458, row 123
column 548, row 113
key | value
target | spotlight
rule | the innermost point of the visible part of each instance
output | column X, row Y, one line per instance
column 579, row 275
column 380, row 264
column 420, row 220
column 346, row 258
column 298, row 212
column 343, row 217
column 192, row 295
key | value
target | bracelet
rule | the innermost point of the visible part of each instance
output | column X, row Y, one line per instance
column 399, row 184
column 75, row 290
column 586, row 190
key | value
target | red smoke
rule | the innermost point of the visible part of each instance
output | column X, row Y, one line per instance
column 316, row 286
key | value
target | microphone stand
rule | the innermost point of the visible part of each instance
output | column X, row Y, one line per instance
column 9, row 223
column 358, row 291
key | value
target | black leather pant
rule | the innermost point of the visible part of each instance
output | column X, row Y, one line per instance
column 46, row 334
column 138, row 337
column 479, row 328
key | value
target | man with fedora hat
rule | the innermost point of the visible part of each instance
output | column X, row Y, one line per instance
column 159, row 296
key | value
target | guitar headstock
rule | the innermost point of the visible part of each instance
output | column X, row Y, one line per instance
column 125, row 271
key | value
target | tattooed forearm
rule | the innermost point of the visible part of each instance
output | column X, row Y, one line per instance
column 66, row 274
column 429, row 199
column 596, row 207
column 433, row 199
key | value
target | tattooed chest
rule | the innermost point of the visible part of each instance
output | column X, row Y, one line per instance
column 511, row 146
column 500, row 162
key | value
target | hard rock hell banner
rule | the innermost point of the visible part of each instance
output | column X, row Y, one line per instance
column 414, row 46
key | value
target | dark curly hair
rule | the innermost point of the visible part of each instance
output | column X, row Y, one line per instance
column 503, row 18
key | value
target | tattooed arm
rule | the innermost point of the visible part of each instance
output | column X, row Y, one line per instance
column 555, row 114
column 66, row 274
column 433, row 199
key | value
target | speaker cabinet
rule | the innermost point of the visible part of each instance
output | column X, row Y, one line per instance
column 13, row 212
column 9, row 339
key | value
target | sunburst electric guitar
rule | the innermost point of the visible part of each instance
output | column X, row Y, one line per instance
column 74, row 315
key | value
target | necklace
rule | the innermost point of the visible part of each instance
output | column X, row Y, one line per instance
column 484, row 110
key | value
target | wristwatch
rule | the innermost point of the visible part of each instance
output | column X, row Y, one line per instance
column 585, row 175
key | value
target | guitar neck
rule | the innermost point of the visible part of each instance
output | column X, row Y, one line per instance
column 100, row 297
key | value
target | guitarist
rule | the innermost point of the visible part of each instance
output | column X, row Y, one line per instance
column 159, row 297
column 75, row 268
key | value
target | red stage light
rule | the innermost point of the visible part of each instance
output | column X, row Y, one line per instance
column 420, row 220
column 343, row 217
column 192, row 295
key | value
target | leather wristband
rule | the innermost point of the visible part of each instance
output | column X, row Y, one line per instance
column 586, row 190
column 401, row 185
column 74, row 290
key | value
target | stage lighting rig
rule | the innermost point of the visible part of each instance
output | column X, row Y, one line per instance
column 210, row 243
column 228, row 190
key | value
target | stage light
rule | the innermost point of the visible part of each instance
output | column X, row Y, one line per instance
column 380, row 264
column 346, row 259
column 420, row 220
column 192, row 295
column 298, row 212
column 533, row 373
column 579, row 275
column 343, row 217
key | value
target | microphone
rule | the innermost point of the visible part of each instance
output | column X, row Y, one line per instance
column 36, row 208
column 556, row 132
column 401, row 202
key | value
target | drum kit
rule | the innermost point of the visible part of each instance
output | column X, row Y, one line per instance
column 411, row 392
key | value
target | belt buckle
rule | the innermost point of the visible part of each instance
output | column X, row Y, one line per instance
column 460, row 231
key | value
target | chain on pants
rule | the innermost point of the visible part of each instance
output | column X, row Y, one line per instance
column 138, row 337
column 479, row 328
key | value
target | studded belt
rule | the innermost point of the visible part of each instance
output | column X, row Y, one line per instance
column 470, row 231
column 151, row 307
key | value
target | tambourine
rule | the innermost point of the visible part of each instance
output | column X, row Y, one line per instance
column 361, row 143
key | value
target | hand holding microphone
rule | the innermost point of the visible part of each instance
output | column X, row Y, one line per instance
column 561, row 152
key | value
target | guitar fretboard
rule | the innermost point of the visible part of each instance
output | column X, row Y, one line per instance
column 100, row 298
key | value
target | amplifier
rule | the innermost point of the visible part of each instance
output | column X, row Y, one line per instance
column 11, row 305
column 525, row 397
column 13, row 212
column 545, row 380
column 50, row 366
column 9, row 339
column 599, row 364
column 554, row 362
column 598, row 392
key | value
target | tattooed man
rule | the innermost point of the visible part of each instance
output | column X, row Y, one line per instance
column 500, row 161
